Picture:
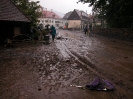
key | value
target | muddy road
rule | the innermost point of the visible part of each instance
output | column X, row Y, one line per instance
column 33, row 70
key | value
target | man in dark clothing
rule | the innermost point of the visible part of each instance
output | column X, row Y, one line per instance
column 85, row 30
column 53, row 32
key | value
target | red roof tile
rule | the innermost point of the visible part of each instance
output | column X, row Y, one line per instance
column 50, row 14
column 10, row 12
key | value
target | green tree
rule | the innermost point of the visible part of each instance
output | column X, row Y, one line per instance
column 117, row 13
column 30, row 9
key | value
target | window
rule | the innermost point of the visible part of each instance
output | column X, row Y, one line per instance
column 46, row 20
column 57, row 21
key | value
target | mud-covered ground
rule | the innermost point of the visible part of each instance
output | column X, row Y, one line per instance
column 33, row 70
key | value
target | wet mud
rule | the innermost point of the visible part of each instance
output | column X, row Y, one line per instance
column 33, row 70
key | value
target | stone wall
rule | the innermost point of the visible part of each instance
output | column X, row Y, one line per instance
column 124, row 33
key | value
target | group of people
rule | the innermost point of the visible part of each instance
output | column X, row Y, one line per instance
column 53, row 31
column 87, row 30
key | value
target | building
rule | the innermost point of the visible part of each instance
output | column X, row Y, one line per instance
column 12, row 20
column 77, row 19
column 51, row 18
column 66, row 16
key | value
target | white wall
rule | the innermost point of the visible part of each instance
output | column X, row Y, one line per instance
column 52, row 21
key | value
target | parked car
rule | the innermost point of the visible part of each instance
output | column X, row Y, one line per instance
column 21, row 37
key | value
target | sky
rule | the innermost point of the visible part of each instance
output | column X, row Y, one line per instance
column 64, row 6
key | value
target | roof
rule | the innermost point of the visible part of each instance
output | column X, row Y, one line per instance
column 50, row 14
column 67, row 15
column 10, row 12
column 81, row 13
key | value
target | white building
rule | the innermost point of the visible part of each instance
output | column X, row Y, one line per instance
column 51, row 18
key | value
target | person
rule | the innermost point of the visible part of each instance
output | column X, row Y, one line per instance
column 90, row 29
column 53, row 32
column 85, row 30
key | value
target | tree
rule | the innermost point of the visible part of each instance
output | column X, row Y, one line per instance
column 30, row 10
column 118, row 13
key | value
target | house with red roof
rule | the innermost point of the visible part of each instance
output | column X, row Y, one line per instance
column 12, row 21
column 51, row 18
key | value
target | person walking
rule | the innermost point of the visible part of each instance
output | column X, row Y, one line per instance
column 90, row 29
column 53, row 32
column 86, row 30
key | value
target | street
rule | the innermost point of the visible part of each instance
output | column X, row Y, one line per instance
column 33, row 70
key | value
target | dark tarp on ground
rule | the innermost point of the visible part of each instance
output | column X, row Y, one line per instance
column 100, row 84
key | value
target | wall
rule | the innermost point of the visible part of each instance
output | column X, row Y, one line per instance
column 9, row 28
column 74, row 24
column 53, row 21
column 124, row 33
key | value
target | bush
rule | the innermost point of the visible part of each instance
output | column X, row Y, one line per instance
column 44, row 32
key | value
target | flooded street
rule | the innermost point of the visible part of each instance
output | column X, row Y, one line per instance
column 33, row 70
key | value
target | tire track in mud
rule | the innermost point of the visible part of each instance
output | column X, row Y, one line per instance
column 61, row 74
column 113, row 75
column 91, row 66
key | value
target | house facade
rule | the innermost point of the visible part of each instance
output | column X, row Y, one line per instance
column 12, row 20
column 77, row 19
column 51, row 18
column 60, row 23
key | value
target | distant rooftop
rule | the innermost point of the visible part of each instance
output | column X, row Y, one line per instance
column 50, row 14
column 81, row 13
column 67, row 15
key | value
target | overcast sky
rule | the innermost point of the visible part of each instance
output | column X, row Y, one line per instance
column 64, row 6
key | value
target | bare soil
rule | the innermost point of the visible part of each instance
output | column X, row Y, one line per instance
column 33, row 70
